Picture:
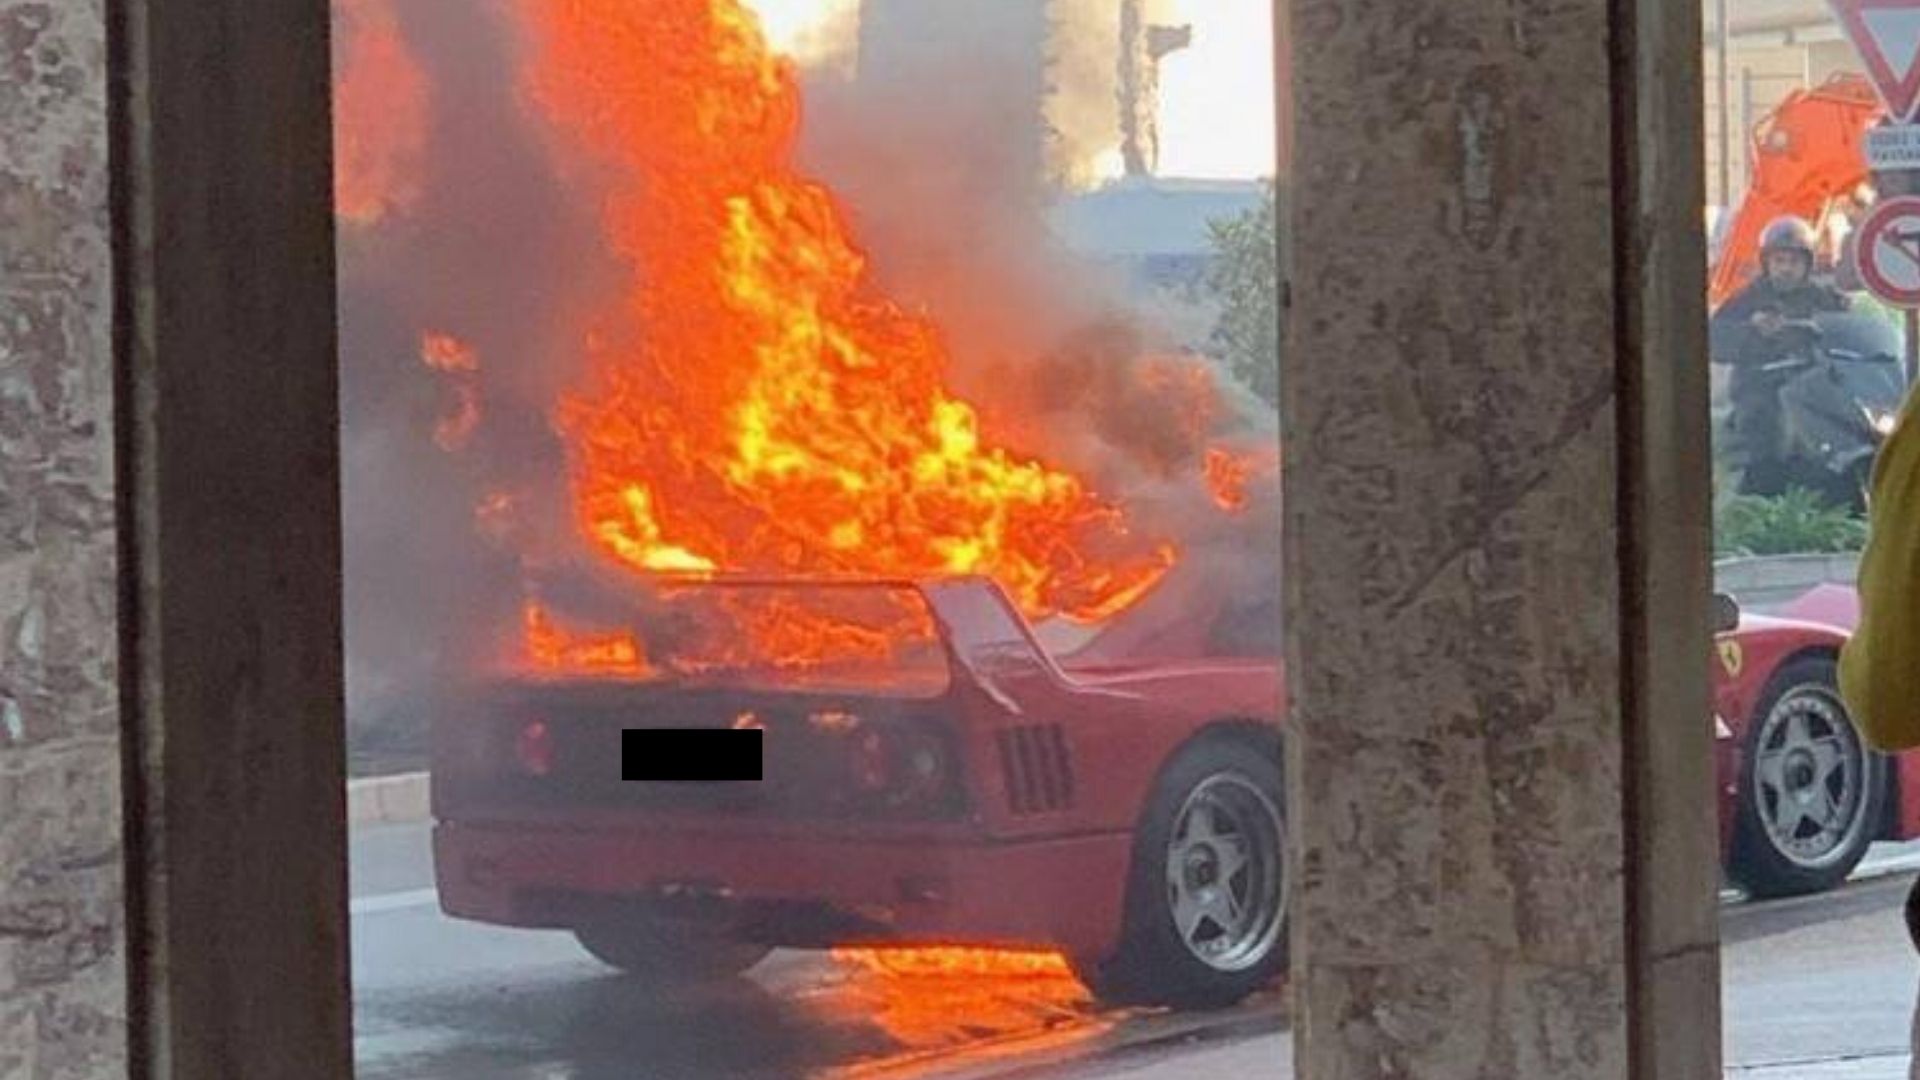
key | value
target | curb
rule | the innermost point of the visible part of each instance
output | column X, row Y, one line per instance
column 388, row 800
column 1761, row 581
column 1886, row 866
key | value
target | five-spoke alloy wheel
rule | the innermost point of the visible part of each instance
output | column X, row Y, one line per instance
column 1206, row 904
column 1810, row 789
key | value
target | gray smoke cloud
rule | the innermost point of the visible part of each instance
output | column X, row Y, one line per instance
column 941, row 148
column 478, row 256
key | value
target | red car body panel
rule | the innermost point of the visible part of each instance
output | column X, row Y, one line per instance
column 926, row 886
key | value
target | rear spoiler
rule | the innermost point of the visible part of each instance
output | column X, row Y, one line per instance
column 988, row 644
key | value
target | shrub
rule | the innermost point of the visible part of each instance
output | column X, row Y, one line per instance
column 1244, row 280
column 1797, row 523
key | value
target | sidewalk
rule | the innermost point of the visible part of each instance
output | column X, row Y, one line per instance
column 1267, row 1058
column 1872, row 1067
column 1264, row 1057
column 1270, row 1057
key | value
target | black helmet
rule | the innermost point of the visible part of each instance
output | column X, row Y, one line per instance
column 1787, row 234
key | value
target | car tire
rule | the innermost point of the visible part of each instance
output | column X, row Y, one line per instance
column 1205, row 915
column 1811, row 791
column 656, row 950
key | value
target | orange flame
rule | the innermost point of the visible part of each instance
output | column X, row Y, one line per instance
column 771, row 410
column 938, row 999
column 380, row 114
column 444, row 352
column 451, row 356
column 1227, row 480
column 552, row 646
column 935, row 961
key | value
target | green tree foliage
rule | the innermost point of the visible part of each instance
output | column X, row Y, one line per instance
column 1244, row 280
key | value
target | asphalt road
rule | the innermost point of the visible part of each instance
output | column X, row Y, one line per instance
column 1819, row 988
column 439, row 998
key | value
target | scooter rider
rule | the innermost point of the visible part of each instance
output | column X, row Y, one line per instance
column 1750, row 331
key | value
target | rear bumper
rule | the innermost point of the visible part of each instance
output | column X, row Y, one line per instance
column 1062, row 893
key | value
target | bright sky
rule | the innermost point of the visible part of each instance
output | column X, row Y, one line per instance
column 1216, row 97
column 796, row 25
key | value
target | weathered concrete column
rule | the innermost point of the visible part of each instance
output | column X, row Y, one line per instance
column 62, row 960
column 229, row 491
column 1500, row 754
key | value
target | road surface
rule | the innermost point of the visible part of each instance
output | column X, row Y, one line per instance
column 1818, row 988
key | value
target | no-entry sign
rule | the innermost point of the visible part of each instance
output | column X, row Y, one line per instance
column 1886, row 34
column 1888, row 252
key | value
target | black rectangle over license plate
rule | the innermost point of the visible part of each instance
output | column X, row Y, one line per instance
column 690, row 754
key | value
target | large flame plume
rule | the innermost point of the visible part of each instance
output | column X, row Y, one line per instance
column 380, row 108
column 758, row 404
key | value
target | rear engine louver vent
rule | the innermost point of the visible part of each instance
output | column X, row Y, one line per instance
column 1038, row 768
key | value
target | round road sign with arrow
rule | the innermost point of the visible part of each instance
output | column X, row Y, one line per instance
column 1888, row 252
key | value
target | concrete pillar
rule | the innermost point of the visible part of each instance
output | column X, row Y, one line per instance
column 62, row 955
column 229, row 494
column 1497, row 560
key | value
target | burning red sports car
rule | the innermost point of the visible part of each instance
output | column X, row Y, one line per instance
column 979, row 793
column 757, row 399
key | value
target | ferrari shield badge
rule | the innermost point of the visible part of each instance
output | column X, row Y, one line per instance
column 1732, row 657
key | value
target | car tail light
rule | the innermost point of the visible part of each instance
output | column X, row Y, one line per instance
column 533, row 748
column 869, row 760
column 923, row 769
column 900, row 764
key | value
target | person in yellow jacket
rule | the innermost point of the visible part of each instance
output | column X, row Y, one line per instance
column 1880, row 665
